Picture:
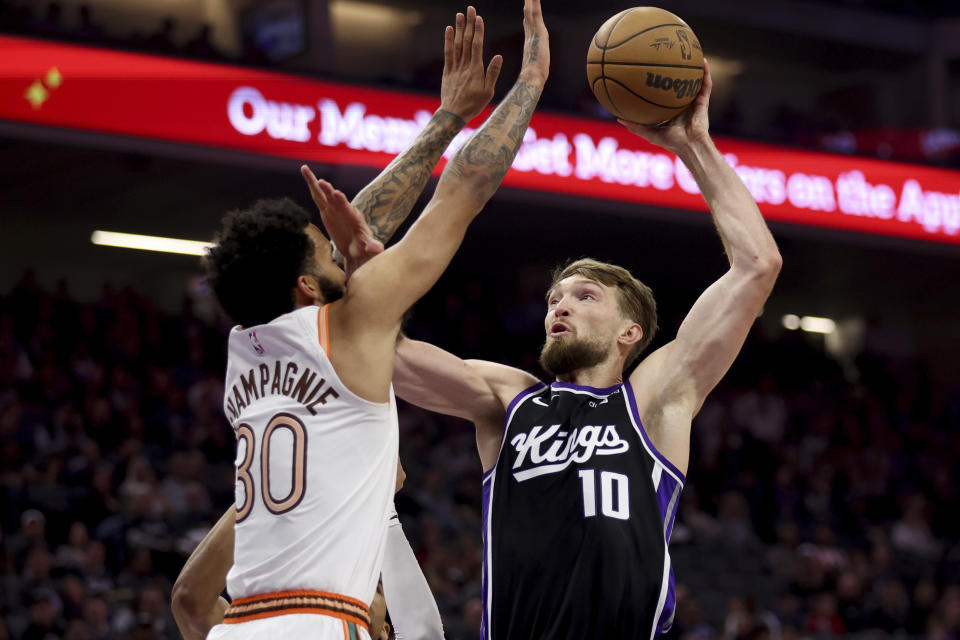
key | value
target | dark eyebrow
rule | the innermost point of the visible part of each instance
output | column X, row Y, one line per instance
column 582, row 283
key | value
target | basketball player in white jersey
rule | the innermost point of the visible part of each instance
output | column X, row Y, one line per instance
column 309, row 367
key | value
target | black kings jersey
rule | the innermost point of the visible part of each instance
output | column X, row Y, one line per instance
column 577, row 515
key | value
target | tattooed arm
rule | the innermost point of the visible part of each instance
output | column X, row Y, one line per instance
column 381, row 290
column 466, row 88
column 387, row 201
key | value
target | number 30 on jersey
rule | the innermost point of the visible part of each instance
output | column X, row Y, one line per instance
column 246, row 439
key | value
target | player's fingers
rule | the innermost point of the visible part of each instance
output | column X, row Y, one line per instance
column 448, row 47
column 326, row 192
column 468, row 31
column 458, row 37
column 310, row 179
column 532, row 12
column 339, row 200
column 493, row 72
column 478, row 41
column 707, row 86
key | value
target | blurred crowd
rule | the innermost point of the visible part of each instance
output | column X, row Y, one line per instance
column 50, row 21
column 814, row 506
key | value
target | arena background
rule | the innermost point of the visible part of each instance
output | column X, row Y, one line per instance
column 821, row 498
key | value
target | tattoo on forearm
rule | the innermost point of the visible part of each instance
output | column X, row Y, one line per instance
column 534, row 51
column 491, row 150
column 387, row 200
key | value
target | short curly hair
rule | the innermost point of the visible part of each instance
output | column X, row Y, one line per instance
column 257, row 257
column 636, row 300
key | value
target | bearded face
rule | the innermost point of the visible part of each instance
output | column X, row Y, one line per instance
column 564, row 355
column 332, row 291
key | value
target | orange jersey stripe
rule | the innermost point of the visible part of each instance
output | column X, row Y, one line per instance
column 281, row 603
column 299, row 593
column 323, row 328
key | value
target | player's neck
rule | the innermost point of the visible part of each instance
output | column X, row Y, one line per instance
column 601, row 376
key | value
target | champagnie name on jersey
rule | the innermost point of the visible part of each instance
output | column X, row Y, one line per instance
column 284, row 378
column 552, row 449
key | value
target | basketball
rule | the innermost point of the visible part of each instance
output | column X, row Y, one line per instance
column 645, row 65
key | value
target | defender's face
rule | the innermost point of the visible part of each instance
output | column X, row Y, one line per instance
column 323, row 256
column 582, row 309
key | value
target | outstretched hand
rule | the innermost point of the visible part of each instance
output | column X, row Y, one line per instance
column 690, row 126
column 344, row 222
column 466, row 88
column 536, row 44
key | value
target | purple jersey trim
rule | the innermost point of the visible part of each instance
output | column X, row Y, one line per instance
column 580, row 387
column 669, row 607
column 665, row 493
column 506, row 423
column 517, row 398
column 485, row 576
column 632, row 406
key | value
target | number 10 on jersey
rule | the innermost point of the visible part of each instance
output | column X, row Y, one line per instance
column 614, row 494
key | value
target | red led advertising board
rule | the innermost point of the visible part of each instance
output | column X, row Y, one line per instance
column 91, row 89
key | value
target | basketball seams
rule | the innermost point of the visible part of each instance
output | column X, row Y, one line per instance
column 596, row 42
column 650, row 64
column 603, row 57
column 607, row 45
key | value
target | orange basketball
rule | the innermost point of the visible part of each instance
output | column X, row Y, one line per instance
column 645, row 65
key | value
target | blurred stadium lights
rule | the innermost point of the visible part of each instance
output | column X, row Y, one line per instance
column 724, row 70
column 813, row 324
column 149, row 243
column 791, row 321
column 810, row 324
column 370, row 16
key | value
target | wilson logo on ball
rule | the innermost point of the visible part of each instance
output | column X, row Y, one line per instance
column 682, row 88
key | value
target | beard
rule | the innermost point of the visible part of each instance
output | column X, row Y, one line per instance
column 563, row 356
column 331, row 290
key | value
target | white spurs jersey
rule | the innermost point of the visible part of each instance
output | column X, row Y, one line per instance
column 316, row 464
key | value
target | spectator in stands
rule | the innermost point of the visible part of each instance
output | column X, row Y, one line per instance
column 202, row 45
column 33, row 528
column 88, row 29
column 161, row 41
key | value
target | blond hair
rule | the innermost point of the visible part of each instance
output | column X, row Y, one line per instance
column 635, row 298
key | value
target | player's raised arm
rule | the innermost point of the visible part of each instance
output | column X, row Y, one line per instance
column 713, row 332
column 382, row 290
column 466, row 88
column 476, row 390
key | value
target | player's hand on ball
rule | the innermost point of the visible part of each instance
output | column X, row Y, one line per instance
column 536, row 44
column 466, row 88
column 344, row 222
column 690, row 126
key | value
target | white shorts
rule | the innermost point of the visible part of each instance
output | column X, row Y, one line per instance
column 292, row 626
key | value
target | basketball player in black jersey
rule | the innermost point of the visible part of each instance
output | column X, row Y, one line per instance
column 582, row 476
